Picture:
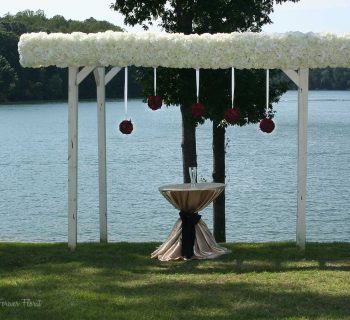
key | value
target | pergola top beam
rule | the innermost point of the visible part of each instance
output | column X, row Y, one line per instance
column 248, row 50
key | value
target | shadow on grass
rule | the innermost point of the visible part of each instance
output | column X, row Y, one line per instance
column 120, row 281
column 272, row 257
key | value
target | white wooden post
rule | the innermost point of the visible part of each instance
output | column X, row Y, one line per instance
column 72, row 157
column 301, row 79
column 302, row 155
column 101, row 123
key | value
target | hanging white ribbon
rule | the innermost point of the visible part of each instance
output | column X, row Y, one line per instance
column 197, row 84
column 155, row 81
column 126, row 93
column 232, row 85
column 267, row 91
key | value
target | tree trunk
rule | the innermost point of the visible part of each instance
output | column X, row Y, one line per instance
column 188, row 145
column 219, row 176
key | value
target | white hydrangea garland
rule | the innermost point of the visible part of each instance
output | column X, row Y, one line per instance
column 248, row 50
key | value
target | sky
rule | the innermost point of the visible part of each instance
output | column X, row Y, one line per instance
column 304, row 16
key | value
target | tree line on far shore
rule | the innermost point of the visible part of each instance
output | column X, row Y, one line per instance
column 28, row 84
column 51, row 83
column 324, row 79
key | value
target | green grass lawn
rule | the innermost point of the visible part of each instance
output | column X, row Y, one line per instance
column 120, row 281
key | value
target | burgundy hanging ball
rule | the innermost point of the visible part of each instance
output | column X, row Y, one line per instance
column 232, row 115
column 198, row 110
column 154, row 102
column 126, row 127
column 267, row 125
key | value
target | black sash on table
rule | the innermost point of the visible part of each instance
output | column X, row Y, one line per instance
column 189, row 220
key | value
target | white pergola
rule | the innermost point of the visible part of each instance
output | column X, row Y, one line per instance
column 294, row 53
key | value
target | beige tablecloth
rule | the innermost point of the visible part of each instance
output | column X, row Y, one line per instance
column 185, row 197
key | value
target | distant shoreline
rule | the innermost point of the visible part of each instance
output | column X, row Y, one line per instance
column 23, row 102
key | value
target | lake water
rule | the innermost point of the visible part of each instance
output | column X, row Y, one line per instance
column 261, row 171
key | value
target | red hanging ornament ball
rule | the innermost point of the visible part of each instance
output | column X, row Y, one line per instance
column 126, row 127
column 232, row 115
column 267, row 125
column 154, row 102
column 198, row 110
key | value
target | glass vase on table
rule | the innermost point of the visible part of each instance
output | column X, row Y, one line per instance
column 193, row 175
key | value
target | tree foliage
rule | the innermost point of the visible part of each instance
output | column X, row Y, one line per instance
column 8, row 77
column 35, row 21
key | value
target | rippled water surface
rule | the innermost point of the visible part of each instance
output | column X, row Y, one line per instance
column 261, row 171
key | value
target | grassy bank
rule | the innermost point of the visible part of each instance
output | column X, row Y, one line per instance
column 120, row 281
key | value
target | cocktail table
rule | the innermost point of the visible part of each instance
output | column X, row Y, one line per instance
column 190, row 237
